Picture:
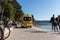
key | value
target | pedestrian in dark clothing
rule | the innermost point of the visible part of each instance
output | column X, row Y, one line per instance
column 58, row 21
column 55, row 25
column 52, row 21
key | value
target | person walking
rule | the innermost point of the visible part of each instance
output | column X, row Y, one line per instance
column 55, row 25
column 52, row 21
column 58, row 22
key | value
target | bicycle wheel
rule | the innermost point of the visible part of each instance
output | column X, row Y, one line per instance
column 1, row 34
column 6, row 35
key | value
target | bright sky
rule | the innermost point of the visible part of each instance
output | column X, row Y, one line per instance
column 41, row 9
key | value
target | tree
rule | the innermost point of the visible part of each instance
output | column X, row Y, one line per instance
column 12, row 9
column 18, row 8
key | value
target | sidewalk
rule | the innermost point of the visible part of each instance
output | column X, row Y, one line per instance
column 33, row 33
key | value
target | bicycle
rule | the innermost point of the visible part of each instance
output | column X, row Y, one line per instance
column 4, row 35
column 7, row 34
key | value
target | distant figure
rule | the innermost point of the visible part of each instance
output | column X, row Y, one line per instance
column 52, row 21
column 55, row 25
column 58, row 21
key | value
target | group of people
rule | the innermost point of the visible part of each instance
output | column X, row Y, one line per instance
column 55, row 23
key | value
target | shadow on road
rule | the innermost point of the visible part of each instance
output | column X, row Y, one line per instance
column 56, row 33
column 20, row 27
column 39, row 32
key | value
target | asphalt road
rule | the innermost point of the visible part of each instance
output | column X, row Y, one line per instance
column 33, row 34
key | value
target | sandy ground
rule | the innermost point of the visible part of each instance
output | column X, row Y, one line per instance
column 33, row 33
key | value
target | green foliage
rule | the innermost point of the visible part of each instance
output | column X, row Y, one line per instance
column 12, row 9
